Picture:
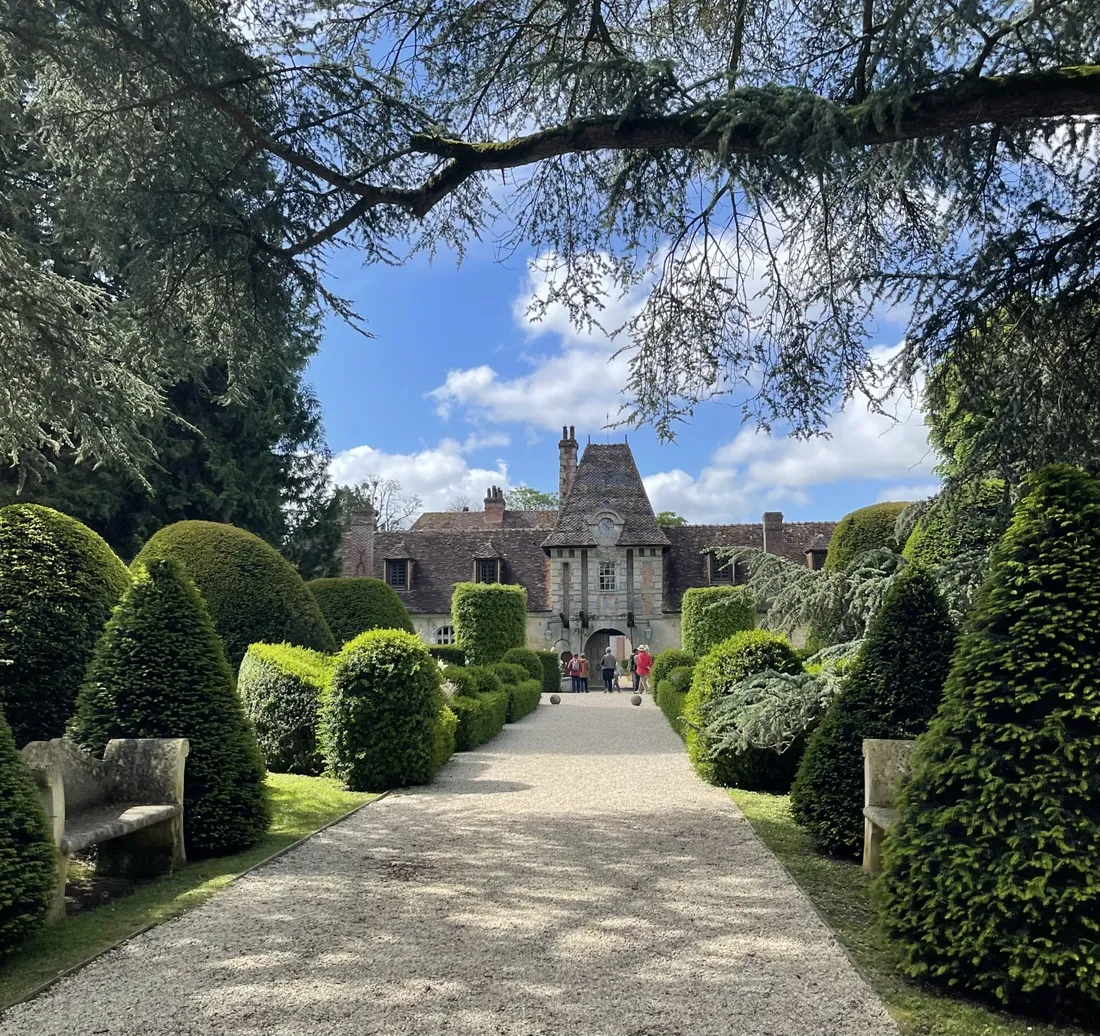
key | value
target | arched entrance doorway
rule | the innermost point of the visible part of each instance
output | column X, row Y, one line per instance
column 599, row 642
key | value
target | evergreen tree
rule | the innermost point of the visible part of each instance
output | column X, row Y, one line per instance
column 992, row 874
column 159, row 670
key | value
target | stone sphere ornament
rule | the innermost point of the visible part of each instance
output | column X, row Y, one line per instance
column 636, row 699
column 555, row 699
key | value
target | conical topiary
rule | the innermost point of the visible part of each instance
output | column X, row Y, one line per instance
column 159, row 670
column 992, row 873
column 58, row 584
column 26, row 850
column 891, row 691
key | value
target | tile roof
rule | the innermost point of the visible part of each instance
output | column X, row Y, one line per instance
column 474, row 521
column 606, row 478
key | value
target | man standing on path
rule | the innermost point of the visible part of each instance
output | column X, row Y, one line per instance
column 608, row 665
column 643, row 663
column 634, row 668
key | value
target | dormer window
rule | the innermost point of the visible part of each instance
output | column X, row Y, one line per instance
column 398, row 573
column 719, row 569
column 487, row 570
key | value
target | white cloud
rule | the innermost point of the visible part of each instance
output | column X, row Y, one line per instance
column 920, row 491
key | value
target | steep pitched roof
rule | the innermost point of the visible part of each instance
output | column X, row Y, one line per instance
column 474, row 521
column 607, row 479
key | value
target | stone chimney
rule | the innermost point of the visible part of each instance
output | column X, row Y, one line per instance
column 494, row 505
column 567, row 463
column 357, row 550
column 773, row 531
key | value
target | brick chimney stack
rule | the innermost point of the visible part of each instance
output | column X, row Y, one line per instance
column 567, row 463
column 773, row 531
column 357, row 549
column 494, row 505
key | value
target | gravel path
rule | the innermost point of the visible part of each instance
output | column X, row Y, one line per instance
column 573, row 878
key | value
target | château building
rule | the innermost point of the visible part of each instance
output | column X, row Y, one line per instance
column 599, row 570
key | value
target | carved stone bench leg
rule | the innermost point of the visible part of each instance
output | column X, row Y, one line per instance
column 145, row 853
column 872, row 848
column 56, row 911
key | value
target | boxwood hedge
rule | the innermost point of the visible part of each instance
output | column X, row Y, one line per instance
column 509, row 673
column 58, row 584
column 671, row 693
column 448, row 654
column 665, row 661
column 551, row 671
column 526, row 658
column 443, row 737
column 479, row 720
column 353, row 606
column 488, row 619
column 710, row 614
column 523, row 698
column 462, row 680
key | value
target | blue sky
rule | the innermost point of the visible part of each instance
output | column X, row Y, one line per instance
column 459, row 390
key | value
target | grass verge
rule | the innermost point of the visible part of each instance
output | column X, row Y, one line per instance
column 839, row 891
column 300, row 805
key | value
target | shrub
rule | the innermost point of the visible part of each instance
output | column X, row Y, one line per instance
column 26, row 849
column 665, row 661
column 479, row 720
column 737, row 658
column 448, row 654
column 252, row 592
column 443, row 737
column 890, row 691
column 671, row 694
column 281, row 686
column 379, row 718
column 523, row 698
column 949, row 527
column 498, row 707
column 488, row 619
column 58, row 584
column 551, row 671
column 528, row 659
column 353, row 606
column 509, row 674
column 463, row 681
column 487, row 681
column 159, row 670
column 866, row 529
column 711, row 614
column 991, row 875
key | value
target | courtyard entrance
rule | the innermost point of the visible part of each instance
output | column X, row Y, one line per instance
column 599, row 641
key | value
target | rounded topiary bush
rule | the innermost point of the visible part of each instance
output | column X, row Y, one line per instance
column 488, row 620
column 523, row 698
column 353, row 606
column 464, row 682
column 443, row 737
column 991, row 875
column 665, row 661
column 58, row 584
column 737, row 658
column 866, row 529
column 447, row 654
column 551, row 670
column 159, row 670
column 526, row 658
column 509, row 673
column 281, row 687
column 26, row 850
column 891, row 690
column 670, row 695
column 711, row 614
column 252, row 592
column 379, row 717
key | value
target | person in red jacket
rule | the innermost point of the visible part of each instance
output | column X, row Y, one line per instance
column 643, row 663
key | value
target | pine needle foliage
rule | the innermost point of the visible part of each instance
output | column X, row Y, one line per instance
column 159, row 670
column 891, row 690
column 992, row 876
column 58, row 584
column 353, row 606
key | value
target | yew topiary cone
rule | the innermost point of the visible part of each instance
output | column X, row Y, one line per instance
column 992, row 873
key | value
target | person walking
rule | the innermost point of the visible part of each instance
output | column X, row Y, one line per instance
column 643, row 663
column 608, row 664
column 573, row 668
column 634, row 668
column 584, row 674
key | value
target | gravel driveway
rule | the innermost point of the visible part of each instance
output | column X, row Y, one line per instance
column 574, row 877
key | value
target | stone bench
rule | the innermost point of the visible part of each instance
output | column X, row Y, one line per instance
column 129, row 804
column 885, row 766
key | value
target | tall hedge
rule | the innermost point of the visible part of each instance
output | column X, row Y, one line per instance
column 671, row 693
column 737, row 658
column 711, row 614
column 253, row 593
column 866, row 529
column 353, row 606
column 488, row 619
column 159, row 670
column 281, row 687
column 26, row 850
column 891, row 690
column 992, row 874
column 526, row 658
column 380, row 716
column 665, row 661
column 58, row 584
column 950, row 527
column 551, row 671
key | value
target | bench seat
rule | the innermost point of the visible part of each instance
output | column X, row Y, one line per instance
column 113, row 820
column 881, row 816
column 885, row 769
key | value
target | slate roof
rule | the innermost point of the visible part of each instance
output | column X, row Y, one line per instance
column 606, row 478
column 474, row 521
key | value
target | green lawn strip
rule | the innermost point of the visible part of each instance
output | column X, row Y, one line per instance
column 300, row 805
column 839, row 891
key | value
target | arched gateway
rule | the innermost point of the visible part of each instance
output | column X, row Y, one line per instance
column 598, row 642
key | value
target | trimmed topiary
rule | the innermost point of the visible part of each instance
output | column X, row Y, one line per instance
column 665, row 661
column 992, row 871
column 526, row 658
column 891, row 690
column 488, row 619
column 281, row 687
column 448, row 654
column 551, row 670
column 737, row 658
column 379, row 717
column 353, row 606
column 866, row 529
column 509, row 674
column 159, row 670
column 252, row 592
column 27, row 864
column 948, row 528
column 479, row 721
column 464, row 682
column 671, row 693
column 487, row 681
column 711, row 614
column 58, row 584
column 443, row 738
column 523, row 698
